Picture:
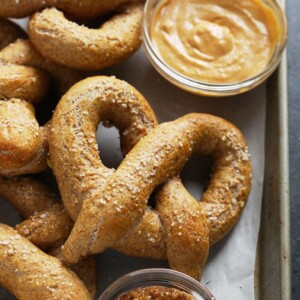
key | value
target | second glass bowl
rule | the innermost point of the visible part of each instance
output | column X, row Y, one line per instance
column 156, row 277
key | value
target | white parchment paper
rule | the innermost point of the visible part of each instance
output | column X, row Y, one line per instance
column 229, row 272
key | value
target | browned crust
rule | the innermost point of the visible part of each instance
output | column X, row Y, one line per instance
column 48, row 224
column 22, row 53
column 159, row 156
column 9, row 32
column 27, row 195
column 80, row 9
column 115, row 203
column 79, row 47
column 85, row 269
column 29, row 273
column 23, row 144
column 86, row 104
column 24, row 76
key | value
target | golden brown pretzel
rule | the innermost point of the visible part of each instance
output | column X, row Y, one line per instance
column 86, row 104
column 48, row 225
column 79, row 8
column 27, row 195
column 9, row 32
column 79, row 47
column 28, row 64
column 29, row 273
column 46, row 219
column 24, row 75
column 73, row 127
column 18, row 81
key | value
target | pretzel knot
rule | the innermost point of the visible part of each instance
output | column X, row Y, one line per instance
column 114, row 209
column 24, row 76
column 79, row 47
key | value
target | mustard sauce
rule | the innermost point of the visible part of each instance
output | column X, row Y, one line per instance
column 215, row 41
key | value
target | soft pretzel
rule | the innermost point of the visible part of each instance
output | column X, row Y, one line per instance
column 85, row 269
column 29, row 70
column 18, row 81
column 77, row 116
column 79, row 8
column 180, row 229
column 27, row 195
column 48, row 224
column 24, row 75
column 29, row 273
column 9, row 32
column 79, row 47
column 23, row 144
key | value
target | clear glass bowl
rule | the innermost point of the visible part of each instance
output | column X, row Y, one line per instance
column 213, row 89
column 161, row 277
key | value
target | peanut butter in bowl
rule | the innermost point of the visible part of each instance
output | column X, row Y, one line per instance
column 215, row 41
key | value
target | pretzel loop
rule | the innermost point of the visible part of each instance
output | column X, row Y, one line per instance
column 24, row 76
column 117, row 203
column 82, row 48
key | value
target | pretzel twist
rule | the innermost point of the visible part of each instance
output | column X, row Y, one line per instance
column 48, row 225
column 29, row 273
column 79, row 47
column 180, row 229
column 24, row 75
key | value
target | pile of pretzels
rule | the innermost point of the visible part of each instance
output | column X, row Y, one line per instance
column 49, row 254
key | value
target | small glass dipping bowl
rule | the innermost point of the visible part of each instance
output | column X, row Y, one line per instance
column 156, row 277
column 213, row 89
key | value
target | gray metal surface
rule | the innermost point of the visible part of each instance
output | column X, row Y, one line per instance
column 293, row 10
column 273, row 257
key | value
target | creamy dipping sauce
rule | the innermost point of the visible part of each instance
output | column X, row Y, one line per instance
column 215, row 41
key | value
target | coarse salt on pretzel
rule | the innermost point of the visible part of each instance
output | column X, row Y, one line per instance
column 23, row 144
column 48, row 224
column 29, row 273
column 78, row 8
column 24, row 76
column 79, row 47
column 77, row 116
column 179, row 220
column 26, row 62
column 159, row 156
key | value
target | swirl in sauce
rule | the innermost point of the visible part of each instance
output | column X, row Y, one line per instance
column 215, row 41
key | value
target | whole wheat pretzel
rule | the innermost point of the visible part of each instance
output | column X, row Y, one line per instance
column 79, row 8
column 29, row 273
column 24, row 76
column 79, row 47
column 47, row 224
column 9, row 32
column 180, row 229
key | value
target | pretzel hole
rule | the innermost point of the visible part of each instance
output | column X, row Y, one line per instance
column 108, row 140
column 196, row 175
column 8, row 215
column 94, row 23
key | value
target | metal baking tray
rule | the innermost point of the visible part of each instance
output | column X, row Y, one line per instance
column 273, row 270
column 273, row 261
